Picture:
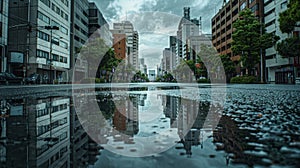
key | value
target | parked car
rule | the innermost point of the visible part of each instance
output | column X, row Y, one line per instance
column 33, row 78
column 10, row 78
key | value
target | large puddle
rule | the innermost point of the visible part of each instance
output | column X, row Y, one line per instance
column 144, row 127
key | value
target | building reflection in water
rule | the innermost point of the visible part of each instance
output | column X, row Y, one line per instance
column 43, row 132
column 47, row 132
column 188, row 116
column 36, row 133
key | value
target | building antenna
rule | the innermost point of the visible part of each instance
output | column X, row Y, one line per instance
column 200, row 25
column 224, row 3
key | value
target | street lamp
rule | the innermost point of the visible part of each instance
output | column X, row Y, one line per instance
column 51, row 28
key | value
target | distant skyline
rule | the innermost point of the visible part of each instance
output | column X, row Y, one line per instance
column 156, row 20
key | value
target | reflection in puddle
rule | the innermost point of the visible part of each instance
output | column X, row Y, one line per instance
column 142, row 123
column 47, row 132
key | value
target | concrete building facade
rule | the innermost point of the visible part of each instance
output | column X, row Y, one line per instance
column 222, row 23
column 39, row 38
column 187, row 27
column 79, row 35
column 132, row 39
column 98, row 25
column 3, row 34
column 278, row 68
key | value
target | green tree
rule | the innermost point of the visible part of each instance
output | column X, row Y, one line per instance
column 249, row 38
column 94, row 52
column 140, row 77
column 290, row 47
column 229, row 66
column 289, row 18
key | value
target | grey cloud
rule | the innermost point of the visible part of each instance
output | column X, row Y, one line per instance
column 109, row 12
column 198, row 8
column 158, row 22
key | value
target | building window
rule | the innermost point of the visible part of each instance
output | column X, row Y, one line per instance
column 42, row 129
column 83, row 22
column 255, row 8
column 1, row 6
column 64, row 44
column 66, row 17
column 66, row 2
column 55, row 41
column 42, row 54
column 63, row 151
column 63, row 136
column 64, row 30
column 55, row 57
column 77, row 16
column 93, row 13
column 1, row 29
column 251, row 1
column 77, row 27
column 46, row 2
column 77, row 38
column 283, row 5
column 62, row 14
column 61, row 59
column 43, row 36
column 55, row 9
column 65, row 60
column 54, row 23
column 43, row 17
column 243, row 6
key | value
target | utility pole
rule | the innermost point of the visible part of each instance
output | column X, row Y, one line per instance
column 52, row 74
column 261, row 56
column 25, row 66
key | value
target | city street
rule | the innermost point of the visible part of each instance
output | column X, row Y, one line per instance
column 166, row 124
column 135, row 84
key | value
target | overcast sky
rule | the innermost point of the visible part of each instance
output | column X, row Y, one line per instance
column 155, row 20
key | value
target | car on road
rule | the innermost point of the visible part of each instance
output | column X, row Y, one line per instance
column 8, row 78
column 33, row 79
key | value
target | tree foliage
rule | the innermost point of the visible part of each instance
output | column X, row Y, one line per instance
column 140, row 77
column 228, row 64
column 249, row 37
column 94, row 52
column 290, row 47
column 289, row 18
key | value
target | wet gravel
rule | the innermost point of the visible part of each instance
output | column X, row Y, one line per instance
column 266, row 124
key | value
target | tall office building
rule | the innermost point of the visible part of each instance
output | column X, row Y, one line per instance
column 132, row 39
column 119, row 44
column 42, row 129
column 172, row 46
column 39, row 38
column 79, row 35
column 143, row 66
column 3, row 34
column 98, row 25
column 135, row 50
column 279, row 69
column 222, row 23
column 187, row 27
column 165, row 61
